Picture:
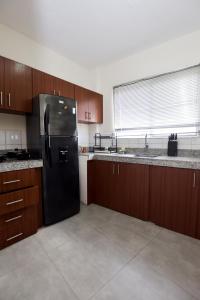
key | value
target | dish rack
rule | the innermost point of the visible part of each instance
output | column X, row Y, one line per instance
column 98, row 142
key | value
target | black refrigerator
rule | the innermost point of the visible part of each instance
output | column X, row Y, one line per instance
column 52, row 136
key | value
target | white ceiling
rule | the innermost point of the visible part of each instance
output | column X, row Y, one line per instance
column 94, row 32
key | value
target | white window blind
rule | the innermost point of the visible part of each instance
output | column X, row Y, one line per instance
column 160, row 105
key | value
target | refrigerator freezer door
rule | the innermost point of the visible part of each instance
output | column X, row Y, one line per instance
column 57, row 115
column 60, row 178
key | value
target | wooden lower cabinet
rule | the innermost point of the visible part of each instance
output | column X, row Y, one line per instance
column 20, row 205
column 168, row 197
column 173, row 199
column 119, row 186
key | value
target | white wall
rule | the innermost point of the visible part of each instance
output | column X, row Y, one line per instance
column 18, row 47
column 173, row 55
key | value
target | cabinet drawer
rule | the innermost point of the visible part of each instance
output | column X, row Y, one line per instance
column 11, row 220
column 18, row 225
column 13, row 201
column 14, row 180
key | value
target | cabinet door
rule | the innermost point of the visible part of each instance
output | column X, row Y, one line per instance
column 105, row 184
column 156, row 197
column 175, row 202
column 95, row 110
column 197, row 183
column 18, row 86
column 43, row 83
column 64, row 88
column 101, row 183
column 138, row 181
column 132, row 189
column 2, row 83
column 81, row 96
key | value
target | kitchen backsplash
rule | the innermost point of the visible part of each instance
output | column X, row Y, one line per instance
column 11, row 139
column 188, row 143
column 13, row 132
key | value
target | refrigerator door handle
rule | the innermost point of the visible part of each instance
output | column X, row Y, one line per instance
column 46, row 120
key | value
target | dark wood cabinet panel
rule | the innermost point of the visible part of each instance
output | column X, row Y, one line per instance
column 64, row 88
column 2, row 83
column 81, row 96
column 101, row 188
column 173, row 202
column 120, row 186
column 20, row 83
column 90, row 106
column 15, row 180
column 156, row 181
column 43, row 83
column 18, row 86
column 138, row 178
column 95, row 107
column 20, row 205
column 180, row 203
column 197, row 197
column 18, row 225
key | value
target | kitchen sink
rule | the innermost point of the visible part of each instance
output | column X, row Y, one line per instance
column 143, row 155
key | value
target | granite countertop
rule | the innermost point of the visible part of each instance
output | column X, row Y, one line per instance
column 165, row 161
column 15, row 165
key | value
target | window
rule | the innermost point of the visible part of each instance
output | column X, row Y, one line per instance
column 160, row 105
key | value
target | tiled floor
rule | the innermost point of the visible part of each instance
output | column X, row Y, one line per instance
column 102, row 255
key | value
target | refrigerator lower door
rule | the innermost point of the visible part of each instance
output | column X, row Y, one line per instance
column 60, row 178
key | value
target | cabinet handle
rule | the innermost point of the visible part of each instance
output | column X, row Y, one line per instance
column 86, row 116
column 194, row 180
column 54, row 92
column 12, row 181
column 59, row 93
column 1, row 98
column 113, row 169
column 12, row 219
column 118, row 169
column 13, row 202
column 89, row 115
column 9, row 99
column 14, row 237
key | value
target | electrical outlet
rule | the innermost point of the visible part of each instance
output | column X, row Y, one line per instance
column 13, row 137
column 2, row 137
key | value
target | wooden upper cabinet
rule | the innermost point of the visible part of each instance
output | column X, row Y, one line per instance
column 82, row 104
column 16, row 85
column 95, row 109
column 90, row 106
column 64, row 88
column 43, row 83
column 2, row 82
column 173, row 202
column 46, row 84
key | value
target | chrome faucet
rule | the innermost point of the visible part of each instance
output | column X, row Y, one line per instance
column 146, row 142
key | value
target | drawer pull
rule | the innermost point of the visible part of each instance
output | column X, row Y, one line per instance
column 13, row 202
column 14, row 237
column 12, row 181
column 12, row 219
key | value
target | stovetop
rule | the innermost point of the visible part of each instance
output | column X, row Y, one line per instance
column 14, row 155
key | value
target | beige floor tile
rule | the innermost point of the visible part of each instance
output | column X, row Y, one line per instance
column 138, row 282
column 177, row 258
